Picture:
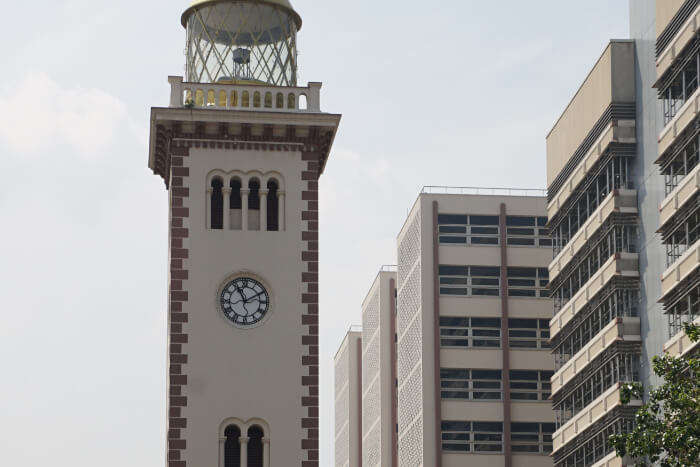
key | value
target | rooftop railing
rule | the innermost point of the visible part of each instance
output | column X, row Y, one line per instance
column 244, row 96
column 389, row 268
column 469, row 190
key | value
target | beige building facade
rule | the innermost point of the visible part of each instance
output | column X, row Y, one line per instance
column 348, row 400
column 240, row 153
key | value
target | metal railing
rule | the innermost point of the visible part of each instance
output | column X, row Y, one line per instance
column 468, row 190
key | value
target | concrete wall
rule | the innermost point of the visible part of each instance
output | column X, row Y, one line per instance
column 348, row 402
column 237, row 373
column 609, row 81
column 665, row 11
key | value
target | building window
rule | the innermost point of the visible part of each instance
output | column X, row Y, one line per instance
column 254, row 204
column 684, row 310
column 272, row 205
column 681, row 164
column 528, row 333
column 530, row 385
column 232, row 447
column 217, row 204
column 470, row 332
column 681, row 87
column 461, row 229
column 683, row 236
column 527, row 231
column 469, row 280
column 528, row 282
column 597, row 446
column 255, row 447
column 470, row 384
column 458, row 436
column 533, row 438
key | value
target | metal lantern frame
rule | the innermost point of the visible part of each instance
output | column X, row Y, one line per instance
column 241, row 42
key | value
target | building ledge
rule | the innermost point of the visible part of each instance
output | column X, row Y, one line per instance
column 622, row 132
column 685, row 116
column 612, row 460
column 680, row 344
column 601, row 406
column 685, row 191
column 680, row 269
column 620, row 329
column 679, row 42
column 617, row 201
column 619, row 264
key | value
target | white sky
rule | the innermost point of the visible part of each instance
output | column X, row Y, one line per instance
column 453, row 92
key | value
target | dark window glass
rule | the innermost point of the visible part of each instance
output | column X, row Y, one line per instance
column 452, row 219
column 484, row 241
column 486, row 322
column 452, row 321
column 486, row 271
column 452, row 229
column 483, row 220
column 446, row 270
column 520, row 221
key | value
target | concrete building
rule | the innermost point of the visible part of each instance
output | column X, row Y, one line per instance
column 472, row 315
column 348, row 400
column 379, row 396
column 240, row 149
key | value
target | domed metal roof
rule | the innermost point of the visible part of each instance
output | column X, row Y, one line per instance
column 283, row 4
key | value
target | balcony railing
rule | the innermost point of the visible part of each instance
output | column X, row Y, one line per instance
column 682, row 268
column 685, row 190
column 678, row 43
column 612, row 460
column 680, row 121
column 471, row 190
column 680, row 344
column 244, row 97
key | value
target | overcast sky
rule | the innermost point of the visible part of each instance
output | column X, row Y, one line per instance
column 458, row 92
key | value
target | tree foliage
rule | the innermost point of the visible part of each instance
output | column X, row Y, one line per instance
column 667, row 427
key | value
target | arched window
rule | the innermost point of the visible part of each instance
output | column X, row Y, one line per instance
column 302, row 102
column 268, row 100
column 256, row 99
column 279, row 100
column 211, row 97
column 235, row 204
column 222, row 98
column 272, row 205
column 234, row 99
column 291, row 101
column 216, row 204
column 254, row 204
column 232, row 447
column 245, row 98
column 199, row 98
column 255, row 447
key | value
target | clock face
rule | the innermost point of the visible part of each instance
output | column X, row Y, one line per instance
column 244, row 301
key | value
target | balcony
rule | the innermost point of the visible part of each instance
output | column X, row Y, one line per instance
column 259, row 98
column 603, row 405
column 612, row 460
column 679, row 270
column 682, row 38
column 680, row 344
column 620, row 264
column 623, row 132
column 623, row 201
column 685, row 116
column 685, row 191
column 620, row 329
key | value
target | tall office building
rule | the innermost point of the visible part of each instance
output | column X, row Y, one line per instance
column 241, row 148
column 348, row 400
column 379, row 397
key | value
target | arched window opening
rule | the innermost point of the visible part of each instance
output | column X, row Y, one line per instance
column 255, row 446
column 279, row 100
column 246, row 99
column 302, row 102
column 291, row 101
column 199, row 98
column 268, row 100
column 234, row 99
column 272, row 206
column 222, row 98
column 236, row 205
column 188, row 98
column 254, row 204
column 217, row 204
column 232, row 447
column 256, row 99
column 211, row 98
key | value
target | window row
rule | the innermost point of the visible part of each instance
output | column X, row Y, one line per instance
column 615, row 174
column 267, row 100
column 469, row 384
column 681, row 87
column 618, row 239
column 596, row 447
column 622, row 367
column 618, row 304
column 526, row 437
column 683, row 237
column 237, row 450
column 681, row 164
column 235, row 207
column 684, row 310
column 485, row 281
column 462, row 229
column 486, row 332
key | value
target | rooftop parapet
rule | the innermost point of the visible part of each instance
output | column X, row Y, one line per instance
column 607, row 94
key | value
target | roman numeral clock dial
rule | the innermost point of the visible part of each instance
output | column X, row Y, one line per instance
column 244, row 301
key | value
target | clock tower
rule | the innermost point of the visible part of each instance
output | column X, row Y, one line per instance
column 240, row 148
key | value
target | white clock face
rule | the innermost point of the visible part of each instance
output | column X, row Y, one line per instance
column 244, row 301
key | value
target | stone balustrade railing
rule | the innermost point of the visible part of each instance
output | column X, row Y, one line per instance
column 244, row 97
